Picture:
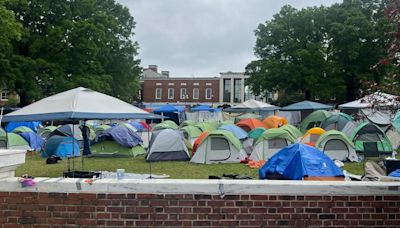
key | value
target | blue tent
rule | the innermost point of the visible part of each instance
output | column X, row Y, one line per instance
column 205, row 108
column 34, row 125
column 35, row 141
column 61, row 146
column 297, row 161
column 237, row 131
column 121, row 134
column 306, row 105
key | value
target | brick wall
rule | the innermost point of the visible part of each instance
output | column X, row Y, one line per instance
column 33, row 209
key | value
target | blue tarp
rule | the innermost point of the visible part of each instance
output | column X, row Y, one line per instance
column 122, row 135
column 395, row 173
column 205, row 108
column 32, row 125
column 237, row 131
column 169, row 108
column 35, row 141
column 297, row 161
column 137, row 125
column 174, row 113
column 61, row 146
column 306, row 105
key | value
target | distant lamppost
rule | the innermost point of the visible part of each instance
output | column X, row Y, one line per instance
column 185, row 97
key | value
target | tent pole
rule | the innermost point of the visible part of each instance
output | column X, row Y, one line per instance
column 148, row 149
column 73, row 147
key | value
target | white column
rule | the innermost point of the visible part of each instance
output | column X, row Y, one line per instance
column 242, row 91
column 232, row 88
column 221, row 90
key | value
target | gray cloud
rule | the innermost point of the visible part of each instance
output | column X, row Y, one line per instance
column 202, row 37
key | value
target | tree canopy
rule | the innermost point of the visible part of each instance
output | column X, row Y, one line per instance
column 320, row 52
column 65, row 44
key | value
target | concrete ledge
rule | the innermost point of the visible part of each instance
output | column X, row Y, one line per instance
column 215, row 187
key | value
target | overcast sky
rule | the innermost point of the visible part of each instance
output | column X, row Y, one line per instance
column 202, row 37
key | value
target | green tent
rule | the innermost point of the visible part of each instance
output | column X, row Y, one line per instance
column 270, row 142
column 21, row 129
column 167, row 124
column 256, row 133
column 274, row 133
column 192, row 131
column 100, row 128
column 247, row 116
column 2, row 132
column 314, row 120
column 14, row 141
column 219, row 146
column 187, row 123
column 292, row 130
column 337, row 121
column 206, row 126
column 337, row 146
column 337, row 134
column 111, row 148
column 44, row 132
column 369, row 138
column 227, row 122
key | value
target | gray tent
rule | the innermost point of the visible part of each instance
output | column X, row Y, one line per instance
column 167, row 145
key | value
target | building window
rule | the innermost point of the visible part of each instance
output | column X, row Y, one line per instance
column 4, row 95
column 170, row 93
column 237, row 85
column 183, row 94
column 195, row 93
column 208, row 93
column 227, row 90
column 158, row 93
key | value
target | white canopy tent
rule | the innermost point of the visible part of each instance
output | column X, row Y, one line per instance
column 376, row 99
column 78, row 104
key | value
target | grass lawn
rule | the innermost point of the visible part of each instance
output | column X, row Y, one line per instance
column 37, row 167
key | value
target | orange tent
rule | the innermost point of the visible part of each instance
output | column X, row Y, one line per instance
column 274, row 121
column 249, row 124
column 311, row 136
column 198, row 141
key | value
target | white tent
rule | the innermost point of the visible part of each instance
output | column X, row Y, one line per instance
column 78, row 104
column 254, row 104
column 167, row 145
column 383, row 99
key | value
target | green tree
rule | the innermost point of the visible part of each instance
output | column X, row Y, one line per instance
column 319, row 52
column 10, row 31
column 75, row 43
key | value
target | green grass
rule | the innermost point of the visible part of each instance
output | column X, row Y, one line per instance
column 36, row 166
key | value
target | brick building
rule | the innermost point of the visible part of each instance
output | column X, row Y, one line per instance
column 228, row 88
column 160, row 88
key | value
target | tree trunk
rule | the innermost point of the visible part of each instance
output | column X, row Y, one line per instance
column 307, row 94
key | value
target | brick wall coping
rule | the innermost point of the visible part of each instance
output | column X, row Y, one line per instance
column 190, row 186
